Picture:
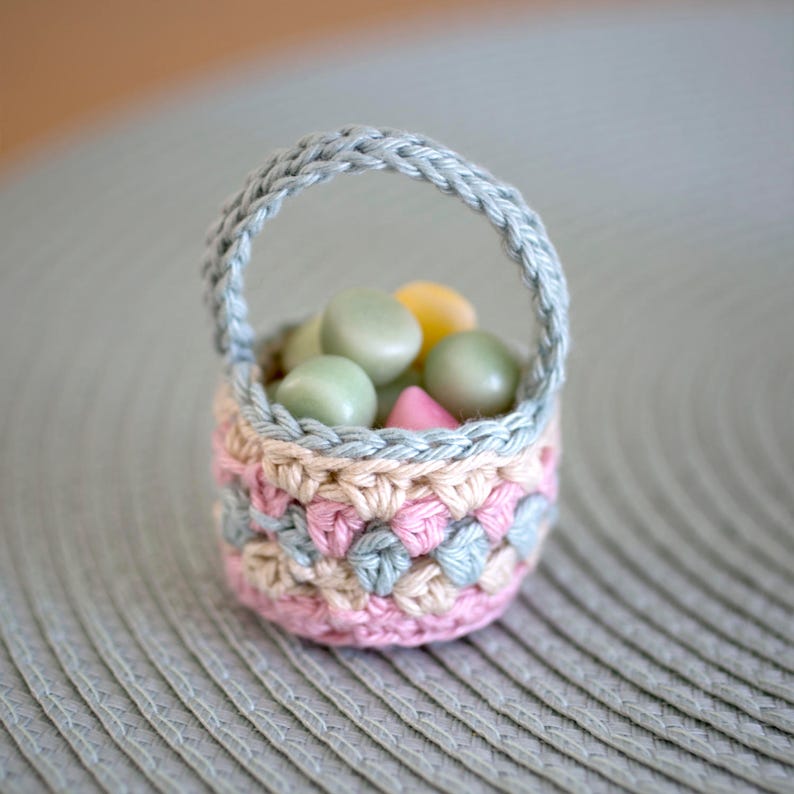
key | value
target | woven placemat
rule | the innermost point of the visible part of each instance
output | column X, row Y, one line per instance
column 652, row 650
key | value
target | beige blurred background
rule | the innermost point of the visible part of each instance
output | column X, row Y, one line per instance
column 65, row 63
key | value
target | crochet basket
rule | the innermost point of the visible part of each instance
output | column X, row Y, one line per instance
column 358, row 536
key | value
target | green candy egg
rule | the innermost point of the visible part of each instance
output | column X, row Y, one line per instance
column 472, row 373
column 332, row 389
column 388, row 394
column 302, row 343
column 373, row 329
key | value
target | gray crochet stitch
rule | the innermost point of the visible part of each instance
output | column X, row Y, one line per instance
column 319, row 157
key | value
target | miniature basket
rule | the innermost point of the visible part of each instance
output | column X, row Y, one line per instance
column 358, row 536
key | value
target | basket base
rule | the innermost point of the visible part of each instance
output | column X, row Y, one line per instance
column 381, row 622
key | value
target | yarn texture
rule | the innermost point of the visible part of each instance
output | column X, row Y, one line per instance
column 351, row 535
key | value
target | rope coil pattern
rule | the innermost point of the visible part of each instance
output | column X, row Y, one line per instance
column 317, row 158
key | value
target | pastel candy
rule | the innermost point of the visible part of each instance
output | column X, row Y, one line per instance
column 472, row 373
column 415, row 409
column 302, row 343
column 332, row 389
column 373, row 329
column 388, row 394
column 440, row 310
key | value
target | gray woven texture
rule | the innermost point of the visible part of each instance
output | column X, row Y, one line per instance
column 652, row 650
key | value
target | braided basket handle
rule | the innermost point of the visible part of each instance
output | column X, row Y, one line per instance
column 318, row 157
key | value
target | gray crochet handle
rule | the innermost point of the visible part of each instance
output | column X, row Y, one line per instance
column 318, row 157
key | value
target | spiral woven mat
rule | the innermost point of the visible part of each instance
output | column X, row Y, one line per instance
column 653, row 650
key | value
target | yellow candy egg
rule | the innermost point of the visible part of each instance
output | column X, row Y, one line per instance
column 440, row 310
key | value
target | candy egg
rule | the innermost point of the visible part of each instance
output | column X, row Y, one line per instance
column 302, row 343
column 440, row 310
column 388, row 394
column 415, row 409
column 373, row 329
column 332, row 389
column 472, row 373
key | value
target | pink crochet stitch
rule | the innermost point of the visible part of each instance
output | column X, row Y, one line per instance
column 420, row 524
column 332, row 526
column 496, row 514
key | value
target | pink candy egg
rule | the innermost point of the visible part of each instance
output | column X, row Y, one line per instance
column 415, row 409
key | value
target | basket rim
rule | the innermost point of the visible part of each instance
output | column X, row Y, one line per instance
column 505, row 435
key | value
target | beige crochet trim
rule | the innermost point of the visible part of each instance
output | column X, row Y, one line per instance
column 378, row 487
column 498, row 569
column 424, row 590
column 224, row 406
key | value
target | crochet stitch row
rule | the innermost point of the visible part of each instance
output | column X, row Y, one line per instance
column 381, row 621
column 377, row 488
column 378, row 556
column 421, row 526
column 319, row 157
column 423, row 590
